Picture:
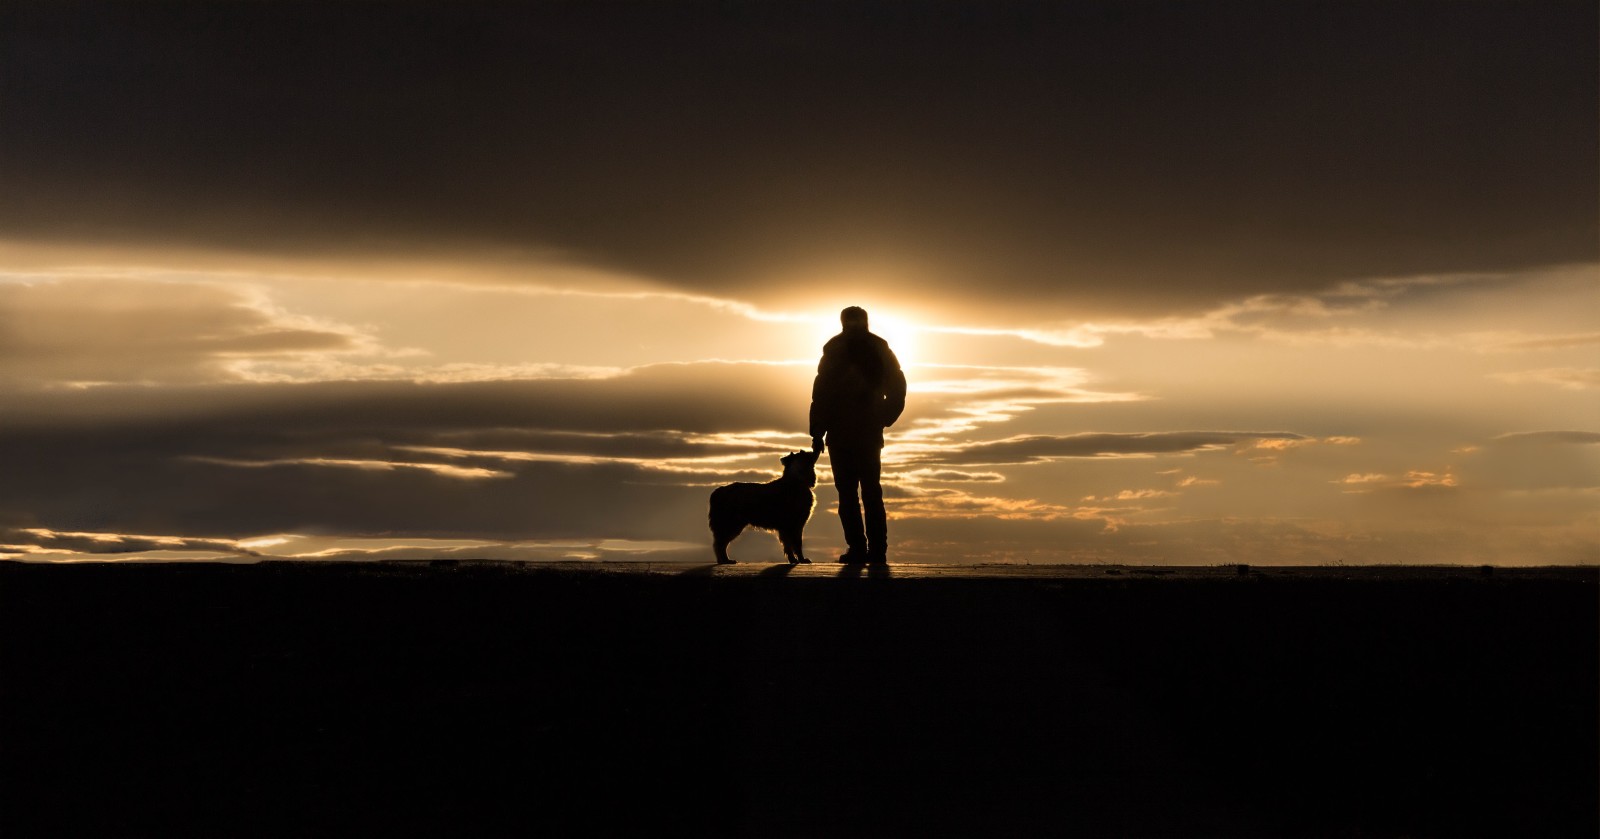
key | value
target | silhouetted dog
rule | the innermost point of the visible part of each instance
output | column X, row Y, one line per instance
column 782, row 506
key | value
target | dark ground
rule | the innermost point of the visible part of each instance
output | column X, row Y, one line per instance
column 473, row 699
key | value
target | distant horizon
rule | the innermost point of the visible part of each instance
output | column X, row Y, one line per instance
column 1210, row 283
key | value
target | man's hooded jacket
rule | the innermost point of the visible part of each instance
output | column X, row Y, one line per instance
column 859, row 390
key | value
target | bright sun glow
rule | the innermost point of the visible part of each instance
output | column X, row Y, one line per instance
column 901, row 334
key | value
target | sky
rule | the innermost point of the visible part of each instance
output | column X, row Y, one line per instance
column 1177, row 283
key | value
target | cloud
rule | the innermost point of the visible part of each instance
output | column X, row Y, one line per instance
column 922, row 476
column 165, row 492
column 325, row 368
column 120, row 331
column 443, row 469
column 849, row 165
column 1133, row 495
column 1536, row 461
column 40, row 541
column 1413, row 479
column 555, row 458
column 1556, row 343
column 1313, row 316
column 1567, row 378
column 658, row 446
column 1039, row 448
column 704, row 398
column 1546, row 438
column 955, row 401
column 626, row 456
column 1418, row 479
column 588, row 550
column 54, row 546
column 1488, row 312
column 1279, row 444
column 956, row 503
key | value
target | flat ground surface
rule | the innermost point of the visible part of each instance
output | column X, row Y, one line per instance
column 477, row 698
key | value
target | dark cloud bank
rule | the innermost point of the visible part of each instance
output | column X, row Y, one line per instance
column 496, row 460
column 193, row 467
column 1115, row 156
column 241, row 460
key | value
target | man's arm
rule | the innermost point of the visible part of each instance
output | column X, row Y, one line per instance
column 894, row 388
column 819, row 402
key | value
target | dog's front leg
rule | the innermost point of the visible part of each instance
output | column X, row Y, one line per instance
column 798, row 556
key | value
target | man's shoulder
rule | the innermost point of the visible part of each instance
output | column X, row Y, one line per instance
column 853, row 349
column 839, row 342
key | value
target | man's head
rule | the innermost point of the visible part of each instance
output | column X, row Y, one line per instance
column 854, row 318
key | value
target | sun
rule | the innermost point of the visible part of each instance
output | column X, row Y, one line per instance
column 901, row 332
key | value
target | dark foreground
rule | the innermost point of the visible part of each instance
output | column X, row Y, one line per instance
column 342, row 699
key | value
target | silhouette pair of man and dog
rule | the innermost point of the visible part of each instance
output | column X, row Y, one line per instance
column 858, row 392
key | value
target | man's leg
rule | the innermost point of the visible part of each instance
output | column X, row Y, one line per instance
column 846, row 478
column 877, row 520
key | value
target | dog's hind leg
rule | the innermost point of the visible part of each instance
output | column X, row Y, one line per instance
column 719, row 544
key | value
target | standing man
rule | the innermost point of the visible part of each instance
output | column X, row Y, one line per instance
column 859, row 391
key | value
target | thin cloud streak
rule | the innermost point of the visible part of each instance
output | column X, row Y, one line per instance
column 444, row 470
column 1566, row 378
column 36, row 541
column 1548, row 438
column 1042, row 448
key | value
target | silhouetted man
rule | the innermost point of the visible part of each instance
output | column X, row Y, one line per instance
column 859, row 391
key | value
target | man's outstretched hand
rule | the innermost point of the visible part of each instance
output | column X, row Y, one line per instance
column 816, row 444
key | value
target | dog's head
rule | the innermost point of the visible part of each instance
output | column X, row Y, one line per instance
column 801, row 465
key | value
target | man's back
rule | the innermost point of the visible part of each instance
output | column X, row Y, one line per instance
column 859, row 389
